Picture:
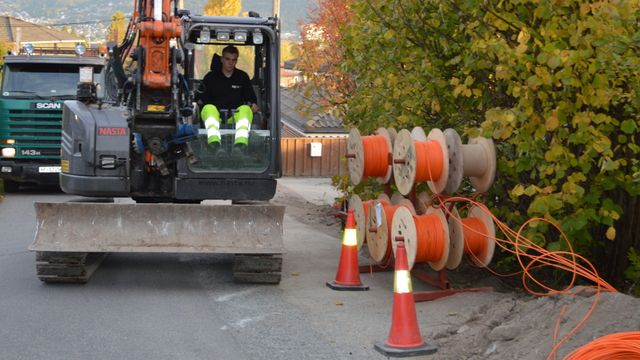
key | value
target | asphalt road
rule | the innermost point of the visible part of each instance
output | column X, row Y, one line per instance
column 169, row 306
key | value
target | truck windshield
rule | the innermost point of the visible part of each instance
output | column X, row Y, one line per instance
column 41, row 80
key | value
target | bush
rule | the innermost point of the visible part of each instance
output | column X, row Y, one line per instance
column 555, row 83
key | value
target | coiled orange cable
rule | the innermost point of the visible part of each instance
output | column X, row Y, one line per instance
column 475, row 233
column 376, row 156
column 430, row 238
column 429, row 161
column 622, row 346
column 536, row 256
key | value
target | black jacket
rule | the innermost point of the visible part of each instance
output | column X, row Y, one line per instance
column 227, row 92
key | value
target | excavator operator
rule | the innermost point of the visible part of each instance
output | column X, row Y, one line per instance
column 226, row 89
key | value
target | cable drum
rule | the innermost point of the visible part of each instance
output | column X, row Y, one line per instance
column 479, row 237
column 419, row 158
column 368, row 156
column 360, row 213
column 477, row 160
column 456, row 239
column 379, row 228
column 426, row 237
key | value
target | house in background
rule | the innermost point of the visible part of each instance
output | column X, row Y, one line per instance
column 301, row 116
column 314, row 140
column 19, row 32
column 289, row 74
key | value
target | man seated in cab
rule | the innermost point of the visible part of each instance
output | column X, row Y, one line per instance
column 228, row 89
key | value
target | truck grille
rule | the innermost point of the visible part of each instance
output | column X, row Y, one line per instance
column 37, row 132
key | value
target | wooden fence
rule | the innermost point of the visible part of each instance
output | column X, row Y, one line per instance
column 297, row 159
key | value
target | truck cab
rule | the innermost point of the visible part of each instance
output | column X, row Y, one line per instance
column 35, row 83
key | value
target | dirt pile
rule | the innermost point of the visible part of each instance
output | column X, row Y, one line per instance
column 521, row 326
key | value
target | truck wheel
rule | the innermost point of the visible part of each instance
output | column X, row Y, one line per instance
column 10, row 186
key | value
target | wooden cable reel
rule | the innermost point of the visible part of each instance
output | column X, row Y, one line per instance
column 369, row 156
column 360, row 212
column 474, row 236
column 479, row 236
column 456, row 239
column 379, row 228
column 418, row 157
column 477, row 160
column 426, row 237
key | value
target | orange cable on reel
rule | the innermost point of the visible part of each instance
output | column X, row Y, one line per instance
column 418, row 157
column 430, row 238
column 379, row 229
column 429, row 161
column 426, row 236
column 376, row 157
column 368, row 156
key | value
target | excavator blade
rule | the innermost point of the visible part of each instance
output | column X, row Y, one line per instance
column 168, row 228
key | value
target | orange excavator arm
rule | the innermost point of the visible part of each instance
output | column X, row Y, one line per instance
column 156, row 27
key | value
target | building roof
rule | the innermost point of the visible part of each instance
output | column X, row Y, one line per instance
column 32, row 33
column 305, row 116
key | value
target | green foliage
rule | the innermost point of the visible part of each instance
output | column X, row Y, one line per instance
column 555, row 83
column 633, row 272
column 368, row 189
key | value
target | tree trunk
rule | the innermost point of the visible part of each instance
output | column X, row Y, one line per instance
column 614, row 260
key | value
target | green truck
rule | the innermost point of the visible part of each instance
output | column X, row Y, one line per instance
column 35, row 84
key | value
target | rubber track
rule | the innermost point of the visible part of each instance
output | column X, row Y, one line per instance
column 257, row 268
column 67, row 267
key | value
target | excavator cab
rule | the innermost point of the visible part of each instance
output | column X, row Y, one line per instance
column 257, row 42
column 251, row 174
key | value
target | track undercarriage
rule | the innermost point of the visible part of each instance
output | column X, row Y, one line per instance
column 77, row 268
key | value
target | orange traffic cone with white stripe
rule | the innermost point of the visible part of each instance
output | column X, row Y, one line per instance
column 348, row 275
column 404, row 336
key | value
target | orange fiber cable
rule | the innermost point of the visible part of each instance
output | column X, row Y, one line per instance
column 531, row 256
column 430, row 235
column 429, row 161
column 376, row 156
column 474, row 242
column 622, row 346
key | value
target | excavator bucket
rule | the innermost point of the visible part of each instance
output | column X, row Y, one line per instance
column 71, row 237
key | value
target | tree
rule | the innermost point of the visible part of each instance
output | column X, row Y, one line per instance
column 556, row 84
column 118, row 27
column 222, row 7
column 320, row 58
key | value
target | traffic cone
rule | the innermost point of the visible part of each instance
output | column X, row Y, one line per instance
column 404, row 337
column 348, row 275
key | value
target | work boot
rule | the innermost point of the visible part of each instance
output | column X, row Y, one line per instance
column 239, row 150
column 217, row 150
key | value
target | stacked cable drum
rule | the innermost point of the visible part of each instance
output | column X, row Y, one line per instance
column 426, row 236
column 420, row 158
column 472, row 236
column 475, row 160
column 360, row 213
column 442, row 161
column 378, row 227
column 369, row 156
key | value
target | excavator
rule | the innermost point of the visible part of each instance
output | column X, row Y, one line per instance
column 138, row 159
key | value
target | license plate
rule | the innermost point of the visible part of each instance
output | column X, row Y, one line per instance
column 49, row 169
